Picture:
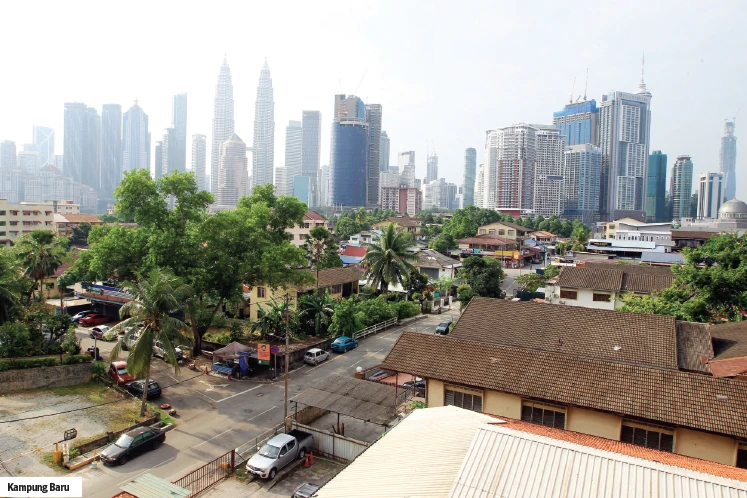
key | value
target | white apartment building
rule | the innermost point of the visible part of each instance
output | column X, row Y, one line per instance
column 293, row 159
column 17, row 220
column 631, row 233
column 199, row 158
column 233, row 181
column 404, row 200
column 710, row 194
column 548, row 173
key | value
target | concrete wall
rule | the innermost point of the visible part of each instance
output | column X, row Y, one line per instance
column 502, row 404
column 707, row 446
column 434, row 395
column 592, row 422
column 33, row 378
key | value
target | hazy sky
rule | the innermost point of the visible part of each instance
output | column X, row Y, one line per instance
column 444, row 72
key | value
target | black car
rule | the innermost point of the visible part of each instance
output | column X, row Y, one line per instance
column 136, row 389
column 306, row 490
column 131, row 444
column 443, row 327
column 417, row 386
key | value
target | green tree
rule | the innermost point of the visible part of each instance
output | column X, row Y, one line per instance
column 346, row 320
column 155, row 298
column 11, row 285
column 273, row 319
column 321, row 250
column 465, row 222
column 416, row 282
column 14, row 340
column 80, row 234
column 464, row 296
column 346, row 227
column 483, row 275
column 580, row 237
column 316, row 310
column 530, row 282
column 40, row 253
column 443, row 243
column 361, row 216
column 388, row 259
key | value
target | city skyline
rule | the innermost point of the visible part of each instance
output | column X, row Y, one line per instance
column 398, row 79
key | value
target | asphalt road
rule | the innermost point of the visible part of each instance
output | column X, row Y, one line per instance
column 216, row 415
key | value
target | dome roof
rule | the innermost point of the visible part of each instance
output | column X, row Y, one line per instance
column 732, row 207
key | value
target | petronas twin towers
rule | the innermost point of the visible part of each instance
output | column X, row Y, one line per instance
column 228, row 170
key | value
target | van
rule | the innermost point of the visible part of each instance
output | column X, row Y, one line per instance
column 315, row 356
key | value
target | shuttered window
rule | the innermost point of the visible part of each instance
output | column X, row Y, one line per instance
column 463, row 397
column 543, row 414
column 742, row 456
column 648, row 436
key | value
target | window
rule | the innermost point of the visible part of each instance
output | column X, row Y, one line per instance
column 648, row 436
column 512, row 232
column 501, row 232
column 2, row 213
column 463, row 397
column 603, row 298
column 482, row 232
column 260, row 292
column 335, row 289
column 543, row 414
column 742, row 456
column 568, row 294
column 491, row 232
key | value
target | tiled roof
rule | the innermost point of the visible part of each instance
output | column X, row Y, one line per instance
column 692, row 234
column 80, row 218
column 313, row 215
column 693, row 346
column 430, row 258
column 594, row 333
column 406, row 222
column 590, row 278
column 630, row 268
column 488, row 239
column 356, row 251
column 633, row 278
column 729, row 340
column 666, row 458
column 334, row 276
column 542, row 233
column 728, row 368
column 517, row 227
column 656, row 394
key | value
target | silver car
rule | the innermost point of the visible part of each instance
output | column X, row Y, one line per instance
column 279, row 452
column 315, row 356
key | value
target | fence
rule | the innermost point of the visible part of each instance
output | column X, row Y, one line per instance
column 212, row 472
column 373, row 329
column 333, row 445
column 246, row 450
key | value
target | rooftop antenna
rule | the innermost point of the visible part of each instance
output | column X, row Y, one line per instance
column 586, row 83
column 573, row 88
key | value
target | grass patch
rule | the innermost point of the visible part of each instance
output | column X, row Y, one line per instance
column 166, row 418
column 95, row 392
column 47, row 459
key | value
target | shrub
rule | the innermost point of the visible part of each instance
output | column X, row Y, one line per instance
column 236, row 331
column 20, row 364
column 98, row 370
column 407, row 309
column 76, row 359
column 376, row 310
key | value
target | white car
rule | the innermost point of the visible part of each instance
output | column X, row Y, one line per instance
column 159, row 351
column 315, row 356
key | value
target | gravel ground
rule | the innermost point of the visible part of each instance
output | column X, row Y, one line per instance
column 23, row 437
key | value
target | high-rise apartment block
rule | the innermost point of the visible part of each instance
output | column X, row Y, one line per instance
column 223, row 122
column 81, row 145
column 29, row 161
column 470, row 170
column 349, row 154
column 710, row 194
column 324, row 185
column 135, row 139
column 178, row 145
column 581, row 182
column 681, row 187
column 233, row 175
column 439, row 194
column 578, row 123
column 311, row 124
column 263, row 156
column 43, row 141
column 548, row 173
column 431, row 171
column 404, row 200
column 373, row 118
column 406, row 165
column 385, row 152
column 624, row 135
column 294, row 132
column 7, row 154
column 159, row 169
column 199, row 157
column 656, row 190
column 480, row 186
column 728, row 160
column 111, row 150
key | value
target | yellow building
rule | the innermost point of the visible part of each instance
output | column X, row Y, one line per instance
column 505, row 229
column 17, row 220
column 311, row 219
column 403, row 224
column 635, row 378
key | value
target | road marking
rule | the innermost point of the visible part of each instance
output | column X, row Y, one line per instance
column 208, row 440
column 367, row 354
column 212, row 386
column 237, row 394
column 260, row 414
column 208, row 397
column 146, row 471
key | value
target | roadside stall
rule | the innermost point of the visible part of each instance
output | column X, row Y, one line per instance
column 234, row 360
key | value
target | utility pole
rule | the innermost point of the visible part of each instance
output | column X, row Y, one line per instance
column 287, row 342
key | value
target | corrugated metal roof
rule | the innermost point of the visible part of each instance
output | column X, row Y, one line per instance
column 504, row 463
column 150, row 486
column 419, row 457
column 662, row 257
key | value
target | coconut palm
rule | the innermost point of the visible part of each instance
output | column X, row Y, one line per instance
column 154, row 298
column 388, row 259
column 40, row 253
column 320, row 308
column 271, row 319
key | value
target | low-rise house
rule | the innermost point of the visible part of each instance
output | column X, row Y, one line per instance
column 506, row 229
column 365, row 237
column 603, row 285
column 18, row 220
column 632, row 230
column 685, row 237
column 66, row 222
column 311, row 219
column 353, row 255
column 543, row 236
column 403, row 224
column 619, row 376
column 435, row 265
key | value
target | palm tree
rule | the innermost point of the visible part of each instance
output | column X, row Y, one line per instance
column 154, row 298
column 321, row 251
column 271, row 320
column 40, row 254
column 388, row 259
column 319, row 307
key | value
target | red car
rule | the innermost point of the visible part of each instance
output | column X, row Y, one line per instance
column 118, row 373
column 94, row 319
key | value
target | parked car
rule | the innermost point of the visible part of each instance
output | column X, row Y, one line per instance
column 131, row 444
column 443, row 327
column 306, row 490
column 315, row 356
column 159, row 351
column 81, row 314
column 118, row 373
column 343, row 344
column 279, row 452
column 103, row 333
column 417, row 385
column 94, row 319
column 129, row 343
column 136, row 389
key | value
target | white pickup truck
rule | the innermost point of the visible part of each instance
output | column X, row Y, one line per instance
column 278, row 452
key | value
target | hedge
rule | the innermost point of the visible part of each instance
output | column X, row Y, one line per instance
column 76, row 358
column 17, row 364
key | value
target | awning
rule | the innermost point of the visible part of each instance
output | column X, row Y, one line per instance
column 232, row 351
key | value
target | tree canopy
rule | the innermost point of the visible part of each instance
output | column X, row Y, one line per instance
column 483, row 275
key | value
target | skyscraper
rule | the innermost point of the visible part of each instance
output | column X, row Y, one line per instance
column 7, row 154
column 349, row 153
column 728, row 160
column 624, row 131
column 233, row 176
column 311, row 124
column 578, row 123
column 406, row 164
column 581, row 182
column 158, row 173
column 385, row 152
column 324, row 185
column 656, row 190
column 169, row 152
column 431, row 172
column 470, row 170
column 29, row 161
column 135, row 139
column 548, row 173
column 199, row 151
column 81, row 145
column 111, row 150
column 294, row 135
column 681, row 187
column 178, row 150
column 710, row 194
column 222, row 121
column 264, row 130
column 373, row 118
column 44, row 143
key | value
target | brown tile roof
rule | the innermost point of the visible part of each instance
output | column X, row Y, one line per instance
column 660, row 395
column 728, row 368
column 81, row 218
column 590, row 278
column 406, row 222
column 729, row 340
column 488, row 239
column 313, row 215
column 334, row 276
column 594, row 333
column 663, row 457
column 355, row 251
column 517, row 227
column 430, row 258
column 632, row 278
column 629, row 268
column 693, row 346
column 692, row 234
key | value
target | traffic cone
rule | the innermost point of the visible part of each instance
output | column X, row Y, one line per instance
column 306, row 461
column 311, row 457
